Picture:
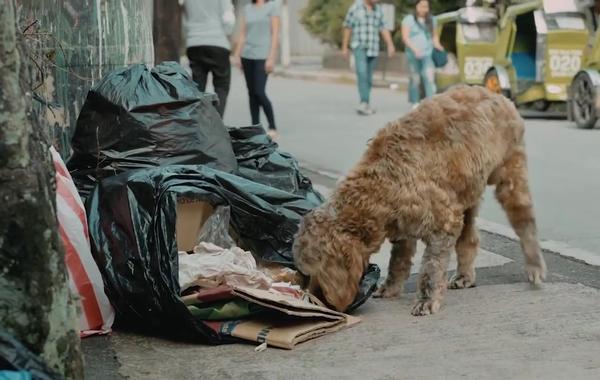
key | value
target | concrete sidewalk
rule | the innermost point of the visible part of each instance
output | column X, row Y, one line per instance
column 393, row 80
column 490, row 332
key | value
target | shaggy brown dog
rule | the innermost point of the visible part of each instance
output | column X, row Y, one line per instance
column 423, row 177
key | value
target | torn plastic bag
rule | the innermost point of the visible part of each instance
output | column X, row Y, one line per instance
column 368, row 285
column 137, row 117
column 14, row 356
column 259, row 160
column 132, row 220
column 216, row 229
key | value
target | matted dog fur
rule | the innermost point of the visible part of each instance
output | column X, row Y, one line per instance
column 422, row 178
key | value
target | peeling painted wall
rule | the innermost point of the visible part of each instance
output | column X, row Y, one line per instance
column 74, row 43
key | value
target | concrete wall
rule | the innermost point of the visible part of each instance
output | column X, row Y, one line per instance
column 74, row 43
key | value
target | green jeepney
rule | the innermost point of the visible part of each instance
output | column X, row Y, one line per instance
column 469, row 35
column 584, row 99
column 539, row 50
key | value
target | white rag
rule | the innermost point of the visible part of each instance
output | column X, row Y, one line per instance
column 233, row 266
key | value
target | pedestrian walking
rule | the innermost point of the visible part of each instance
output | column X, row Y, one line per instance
column 363, row 25
column 255, row 54
column 208, row 23
column 420, row 38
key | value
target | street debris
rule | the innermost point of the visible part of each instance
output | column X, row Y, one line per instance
column 188, row 242
column 214, row 265
column 85, row 280
column 261, row 347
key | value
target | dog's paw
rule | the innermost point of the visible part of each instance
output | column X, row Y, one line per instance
column 386, row 291
column 536, row 273
column 425, row 307
column 461, row 281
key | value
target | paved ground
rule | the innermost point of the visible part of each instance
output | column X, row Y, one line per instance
column 501, row 329
column 319, row 126
column 493, row 338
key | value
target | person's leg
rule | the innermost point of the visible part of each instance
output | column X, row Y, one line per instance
column 248, row 66
column 371, row 63
column 414, row 83
column 362, row 78
column 196, row 55
column 261, row 76
column 221, row 72
column 428, row 77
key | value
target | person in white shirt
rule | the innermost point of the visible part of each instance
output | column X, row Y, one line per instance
column 208, row 23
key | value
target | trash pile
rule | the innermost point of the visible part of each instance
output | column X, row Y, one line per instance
column 191, row 224
column 225, row 288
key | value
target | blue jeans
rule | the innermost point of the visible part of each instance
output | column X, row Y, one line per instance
column 422, row 71
column 364, row 73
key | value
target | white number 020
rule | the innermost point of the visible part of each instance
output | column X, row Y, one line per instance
column 564, row 63
column 476, row 67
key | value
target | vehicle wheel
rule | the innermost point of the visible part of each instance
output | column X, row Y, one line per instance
column 583, row 102
column 540, row 105
column 492, row 83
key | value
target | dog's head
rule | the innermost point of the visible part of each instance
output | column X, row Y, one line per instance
column 330, row 257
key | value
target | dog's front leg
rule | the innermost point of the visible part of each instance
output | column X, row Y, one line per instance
column 466, row 251
column 399, row 268
column 432, row 282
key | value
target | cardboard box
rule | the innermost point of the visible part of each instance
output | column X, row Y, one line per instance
column 292, row 321
column 191, row 216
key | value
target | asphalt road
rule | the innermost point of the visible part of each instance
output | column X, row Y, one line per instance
column 319, row 126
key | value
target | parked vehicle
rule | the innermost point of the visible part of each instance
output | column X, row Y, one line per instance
column 540, row 48
column 584, row 103
column 470, row 36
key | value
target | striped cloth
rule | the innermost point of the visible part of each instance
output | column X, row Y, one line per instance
column 97, row 314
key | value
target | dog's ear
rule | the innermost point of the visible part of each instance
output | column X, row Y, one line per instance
column 308, row 243
column 339, row 278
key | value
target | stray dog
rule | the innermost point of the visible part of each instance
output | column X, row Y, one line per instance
column 422, row 178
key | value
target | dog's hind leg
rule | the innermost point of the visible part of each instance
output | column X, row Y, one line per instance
column 399, row 268
column 512, row 191
column 432, row 282
column 466, row 248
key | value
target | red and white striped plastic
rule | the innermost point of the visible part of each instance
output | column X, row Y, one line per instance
column 97, row 314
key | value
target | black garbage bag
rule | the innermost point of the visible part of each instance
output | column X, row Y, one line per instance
column 137, row 117
column 14, row 356
column 259, row 160
column 132, row 220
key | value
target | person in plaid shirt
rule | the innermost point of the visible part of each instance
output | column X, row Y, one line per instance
column 362, row 27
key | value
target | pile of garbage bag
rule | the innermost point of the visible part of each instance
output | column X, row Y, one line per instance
column 148, row 140
column 137, row 117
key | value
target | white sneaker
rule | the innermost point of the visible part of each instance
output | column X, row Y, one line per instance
column 272, row 133
column 363, row 109
column 415, row 105
column 371, row 110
